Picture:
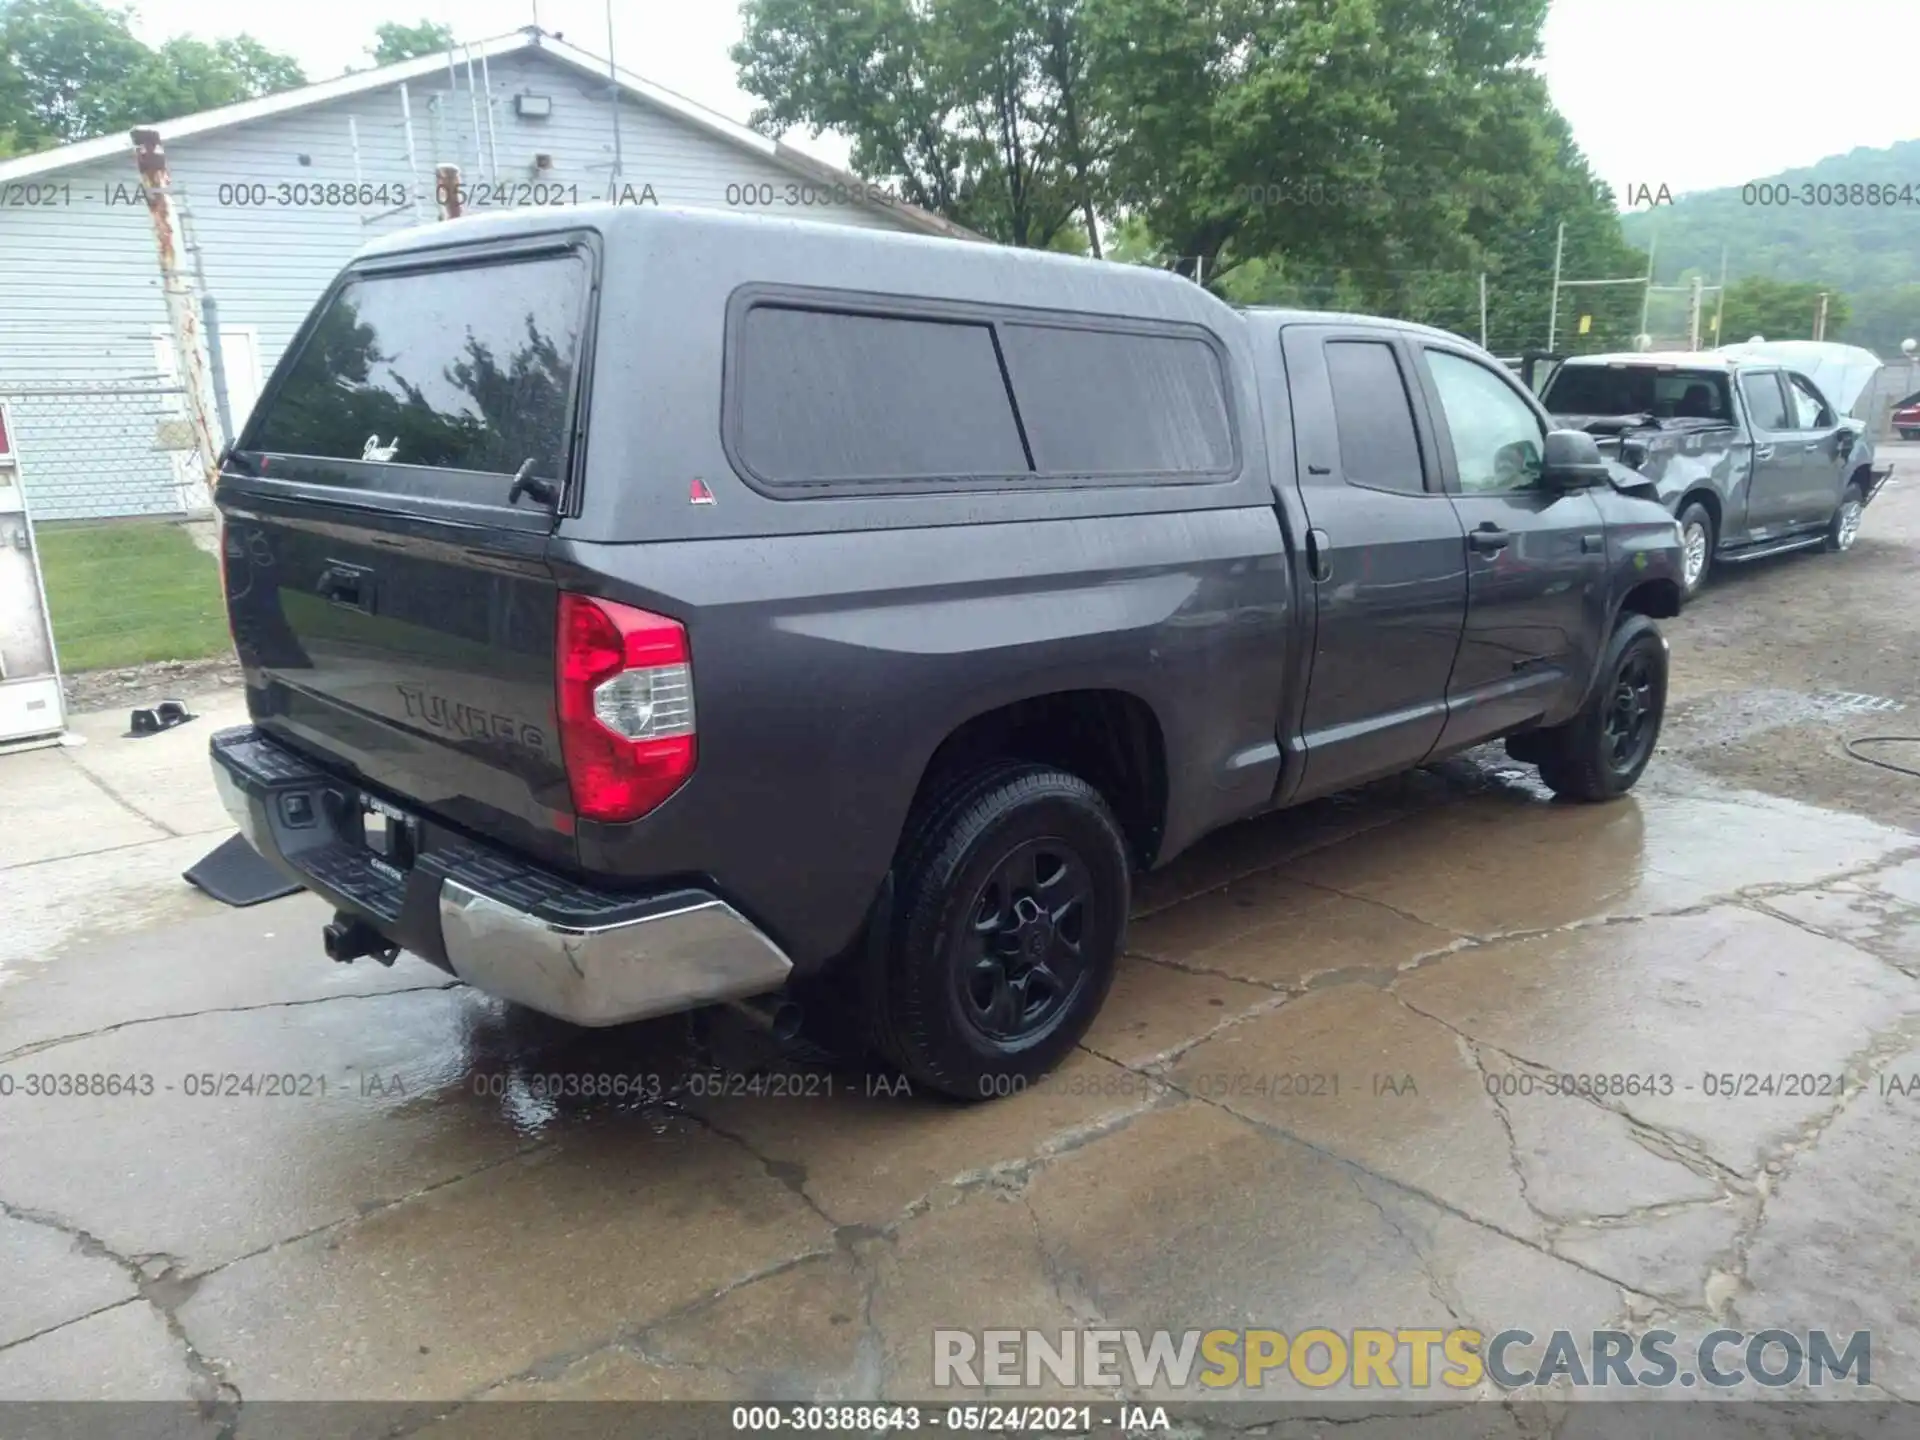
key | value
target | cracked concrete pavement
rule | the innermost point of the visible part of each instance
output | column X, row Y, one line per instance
column 1318, row 1096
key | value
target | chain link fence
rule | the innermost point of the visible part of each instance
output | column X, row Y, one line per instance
column 122, row 520
column 105, row 447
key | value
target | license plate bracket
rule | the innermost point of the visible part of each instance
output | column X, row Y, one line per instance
column 390, row 834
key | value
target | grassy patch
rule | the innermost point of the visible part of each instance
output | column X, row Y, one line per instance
column 128, row 593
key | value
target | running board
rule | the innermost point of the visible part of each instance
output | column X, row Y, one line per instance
column 1770, row 547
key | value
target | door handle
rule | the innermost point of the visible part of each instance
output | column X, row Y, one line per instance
column 1489, row 538
column 1319, row 556
column 1591, row 544
column 1763, row 452
column 347, row 585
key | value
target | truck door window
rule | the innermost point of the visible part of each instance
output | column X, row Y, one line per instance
column 1374, row 417
column 1764, row 401
column 1497, row 439
column 1809, row 410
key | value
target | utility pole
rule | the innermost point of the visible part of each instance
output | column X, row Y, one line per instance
column 1820, row 319
column 1483, row 309
column 1693, row 316
column 1553, row 310
column 1646, row 300
column 613, row 95
column 1720, row 301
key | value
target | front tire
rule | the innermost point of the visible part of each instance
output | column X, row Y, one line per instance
column 1601, row 753
column 1844, row 528
column 1014, row 886
column 1698, row 535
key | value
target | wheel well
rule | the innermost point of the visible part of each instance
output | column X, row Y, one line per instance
column 1109, row 738
column 1707, row 499
column 1863, row 477
column 1657, row 599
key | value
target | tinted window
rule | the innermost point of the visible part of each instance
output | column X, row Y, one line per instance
column 826, row 396
column 459, row 369
column 1810, row 412
column 1763, row 399
column 1097, row 402
column 1497, row 439
column 1637, row 390
column 1374, row 416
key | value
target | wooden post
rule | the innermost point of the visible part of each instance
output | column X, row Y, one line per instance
column 446, row 190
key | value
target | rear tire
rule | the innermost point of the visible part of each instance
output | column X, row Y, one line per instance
column 1013, row 891
column 1698, row 536
column 1844, row 528
column 1910, row 434
column 1601, row 753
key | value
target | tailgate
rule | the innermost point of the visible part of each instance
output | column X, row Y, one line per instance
column 389, row 590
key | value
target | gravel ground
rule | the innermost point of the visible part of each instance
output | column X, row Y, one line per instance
column 1779, row 662
column 137, row 685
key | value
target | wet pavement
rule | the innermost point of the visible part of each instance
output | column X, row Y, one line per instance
column 1318, row 1096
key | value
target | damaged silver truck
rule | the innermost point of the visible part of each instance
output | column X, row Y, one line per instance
column 1749, row 453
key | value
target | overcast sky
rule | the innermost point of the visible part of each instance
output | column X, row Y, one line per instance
column 1690, row 94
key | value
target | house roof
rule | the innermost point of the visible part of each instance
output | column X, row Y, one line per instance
column 633, row 87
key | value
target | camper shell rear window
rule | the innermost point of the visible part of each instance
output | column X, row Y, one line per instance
column 452, row 376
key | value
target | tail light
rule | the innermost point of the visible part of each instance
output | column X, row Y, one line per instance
column 625, row 682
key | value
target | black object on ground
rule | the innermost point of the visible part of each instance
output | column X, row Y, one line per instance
column 1883, row 740
column 164, row 716
column 234, row 874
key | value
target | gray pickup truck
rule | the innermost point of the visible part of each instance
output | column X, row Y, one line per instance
column 642, row 609
column 1744, row 448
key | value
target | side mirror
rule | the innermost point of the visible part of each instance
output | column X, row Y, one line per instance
column 1572, row 461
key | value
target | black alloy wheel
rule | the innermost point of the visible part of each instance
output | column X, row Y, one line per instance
column 1601, row 752
column 1010, row 896
column 1019, row 957
column 1633, row 717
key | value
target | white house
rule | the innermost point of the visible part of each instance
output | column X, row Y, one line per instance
column 277, row 193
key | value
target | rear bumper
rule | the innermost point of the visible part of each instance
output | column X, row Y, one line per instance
column 505, row 927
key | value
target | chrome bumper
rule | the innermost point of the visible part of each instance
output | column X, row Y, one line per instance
column 676, row 960
column 659, row 955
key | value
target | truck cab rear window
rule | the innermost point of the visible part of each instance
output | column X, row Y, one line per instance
column 468, row 368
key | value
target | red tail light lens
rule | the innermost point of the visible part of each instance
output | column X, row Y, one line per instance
column 625, row 689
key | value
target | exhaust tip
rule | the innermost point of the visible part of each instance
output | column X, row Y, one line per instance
column 779, row 1016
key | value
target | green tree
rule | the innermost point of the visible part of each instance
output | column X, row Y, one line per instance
column 1780, row 309
column 72, row 69
column 1374, row 154
column 1883, row 317
column 1387, row 135
column 394, row 42
column 977, row 109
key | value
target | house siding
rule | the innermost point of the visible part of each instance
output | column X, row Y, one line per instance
column 80, row 289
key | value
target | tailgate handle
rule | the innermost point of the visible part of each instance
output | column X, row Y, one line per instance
column 348, row 585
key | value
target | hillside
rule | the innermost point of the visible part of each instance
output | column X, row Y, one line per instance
column 1870, row 253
